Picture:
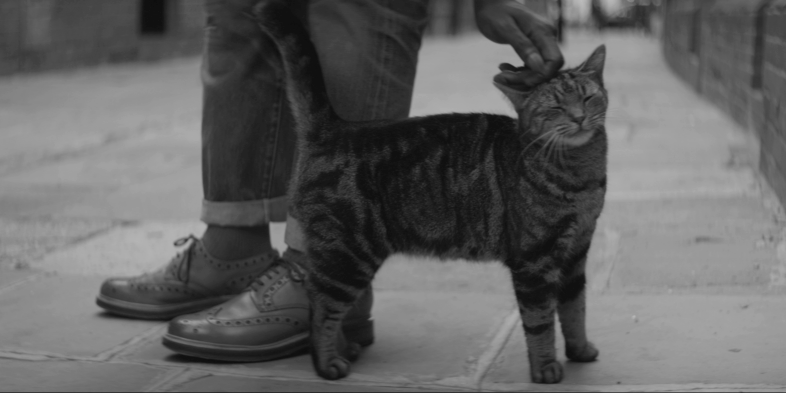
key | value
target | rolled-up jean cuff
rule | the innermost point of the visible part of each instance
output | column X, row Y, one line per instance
column 245, row 213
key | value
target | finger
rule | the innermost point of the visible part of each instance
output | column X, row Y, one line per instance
column 546, row 42
column 523, row 46
column 507, row 67
column 529, row 53
column 510, row 67
column 523, row 80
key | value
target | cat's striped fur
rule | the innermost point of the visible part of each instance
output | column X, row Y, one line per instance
column 526, row 192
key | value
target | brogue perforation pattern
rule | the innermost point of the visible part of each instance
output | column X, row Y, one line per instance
column 267, row 297
column 242, row 281
column 255, row 321
column 232, row 265
column 163, row 288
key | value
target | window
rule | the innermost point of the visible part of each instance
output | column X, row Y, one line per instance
column 152, row 17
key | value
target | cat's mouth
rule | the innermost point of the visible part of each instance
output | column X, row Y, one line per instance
column 577, row 137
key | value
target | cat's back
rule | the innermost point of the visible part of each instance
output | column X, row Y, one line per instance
column 454, row 127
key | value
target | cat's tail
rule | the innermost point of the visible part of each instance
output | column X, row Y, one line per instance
column 305, row 84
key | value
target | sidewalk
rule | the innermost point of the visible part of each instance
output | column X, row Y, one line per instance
column 99, row 174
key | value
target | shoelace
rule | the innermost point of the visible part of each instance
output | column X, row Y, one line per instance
column 295, row 272
column 185, row 260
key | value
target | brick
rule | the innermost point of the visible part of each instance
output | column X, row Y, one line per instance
column 776, row 177
column 774, row 53
column 774, row 24
column 773, row 82
column 773, row 143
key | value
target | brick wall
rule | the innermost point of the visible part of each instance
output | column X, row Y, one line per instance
column 773, row 131
column 733, row 52
column 47, row 34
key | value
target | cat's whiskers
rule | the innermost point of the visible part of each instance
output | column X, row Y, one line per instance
column 543, row 135
column 561, row 150
column 547, row 146
column 551, row 145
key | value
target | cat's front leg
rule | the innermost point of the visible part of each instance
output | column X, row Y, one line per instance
column 572, row 314
column 336, row 280
column 331, row 353
column 537, row 300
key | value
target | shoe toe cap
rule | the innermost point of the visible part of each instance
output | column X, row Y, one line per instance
column 118, row 288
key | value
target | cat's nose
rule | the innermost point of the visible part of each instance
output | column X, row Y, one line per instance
column 577, row 114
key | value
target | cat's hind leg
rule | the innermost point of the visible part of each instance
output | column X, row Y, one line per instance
column 338, row 278
column 572, row 314
column 536, row 294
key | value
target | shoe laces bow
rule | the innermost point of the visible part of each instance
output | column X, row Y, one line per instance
column 183, row 266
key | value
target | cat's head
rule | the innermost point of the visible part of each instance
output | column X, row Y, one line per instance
column 571, row 107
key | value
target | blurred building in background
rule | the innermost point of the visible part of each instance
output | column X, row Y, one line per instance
column 48, row 34
column 733, row 52
column 453, row 17
column 40, row 35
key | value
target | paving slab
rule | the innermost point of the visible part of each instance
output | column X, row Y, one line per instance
column 142, row 201
column 125, row 250
column 23, row 240
column 71, row 376
column 43, row 120
column 240, row 384
column 667, row 340
column 56, row 314
column 421, row 337
column 13, row 277
column 114, row 182
column 689, row 243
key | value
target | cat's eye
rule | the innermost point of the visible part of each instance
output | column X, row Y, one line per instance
column 588, row 99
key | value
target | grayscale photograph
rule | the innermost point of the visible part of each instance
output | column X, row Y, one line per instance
column 393, row 195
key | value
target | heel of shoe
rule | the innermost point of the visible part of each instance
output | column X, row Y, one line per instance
column 361, row 332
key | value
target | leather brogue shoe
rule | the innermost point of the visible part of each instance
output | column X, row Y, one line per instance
column 269, row 320
column 192, row 281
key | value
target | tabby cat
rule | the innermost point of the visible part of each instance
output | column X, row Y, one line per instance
column 484, row 187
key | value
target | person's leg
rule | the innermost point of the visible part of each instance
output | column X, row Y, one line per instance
column 246, row 163
column 368, row 51
column 245, row 132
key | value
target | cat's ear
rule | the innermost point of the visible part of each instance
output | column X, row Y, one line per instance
column 516, row 96
column 594, row 64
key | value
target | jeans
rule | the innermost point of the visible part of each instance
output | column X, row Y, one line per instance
column 368, row 50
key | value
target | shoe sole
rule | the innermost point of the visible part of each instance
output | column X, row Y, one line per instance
column 360, row 332
column 157, row 312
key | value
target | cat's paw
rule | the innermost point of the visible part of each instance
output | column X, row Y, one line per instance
column 335, row 368
column 549, row 373
column 352, row 351
column 585, row 353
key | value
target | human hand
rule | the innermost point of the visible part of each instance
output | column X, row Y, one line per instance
column 532, row 37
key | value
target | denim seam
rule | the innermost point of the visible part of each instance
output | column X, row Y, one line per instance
column 276, row 125
column 380, row 107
